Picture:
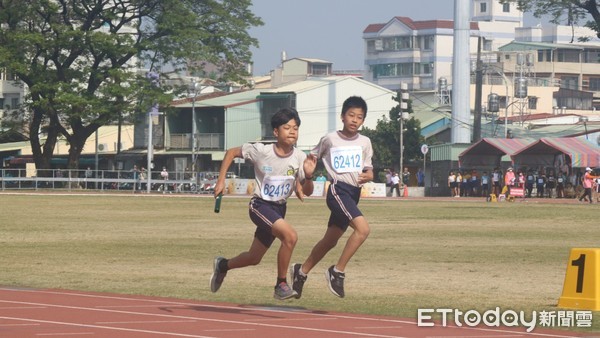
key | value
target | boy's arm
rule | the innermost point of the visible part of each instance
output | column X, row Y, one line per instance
column 227, row 160
column 365, row 176
column 306, row 187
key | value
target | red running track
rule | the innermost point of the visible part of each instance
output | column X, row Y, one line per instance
column 58, row 313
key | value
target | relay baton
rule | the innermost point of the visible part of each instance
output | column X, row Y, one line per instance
column 218, row 203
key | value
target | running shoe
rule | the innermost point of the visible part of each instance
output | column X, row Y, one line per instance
column 335, row 281
column 283, row 291
column 217, row 277
column 297, row 279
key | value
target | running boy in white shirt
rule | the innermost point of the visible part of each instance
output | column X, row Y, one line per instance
column 346, row 155
column 279, row 169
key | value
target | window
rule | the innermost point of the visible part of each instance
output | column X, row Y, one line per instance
column 569, row 82
column 317, row 69
column 594, row 84
column 371, row 45
column 540, row 54
column 506, row 8
column 393, row 69
column 483, row 7
column 428, row 42
column 397, row 43
column 565, row 55
column 532, row 102
column 426, row 68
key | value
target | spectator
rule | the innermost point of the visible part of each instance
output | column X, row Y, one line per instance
column 529, row 182
column 395, row 185
column 388, row 181
column 587, row 181
column 496, row 179
column 452, row 184
column 459, row 183
column 560, row 185
column 550, row 184
column 164, row 174
column 420, row 178
column 405, row 177
column 88, row 174
column 485, row 184
column 541, row 182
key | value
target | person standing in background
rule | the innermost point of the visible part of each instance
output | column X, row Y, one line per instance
column 420, row 178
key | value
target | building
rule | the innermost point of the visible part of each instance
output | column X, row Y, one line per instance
column 226, row 120
column 420, row 52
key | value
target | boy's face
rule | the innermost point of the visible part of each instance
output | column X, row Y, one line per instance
column 287, row 133
column 353, row 119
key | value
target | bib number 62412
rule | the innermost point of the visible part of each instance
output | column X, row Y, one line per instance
column 346, row 159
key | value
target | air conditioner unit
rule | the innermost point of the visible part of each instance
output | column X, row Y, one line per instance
column 102, row 147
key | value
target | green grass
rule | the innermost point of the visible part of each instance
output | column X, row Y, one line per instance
column 464, row 254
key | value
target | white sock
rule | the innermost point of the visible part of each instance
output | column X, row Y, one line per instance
column 336, row 270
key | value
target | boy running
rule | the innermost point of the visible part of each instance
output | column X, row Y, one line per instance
column 279, row 168
column 346, row 155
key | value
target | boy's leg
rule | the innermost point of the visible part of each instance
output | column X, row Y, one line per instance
column 288, row 237
column 335, row 275
column 251, row 257
column 222, row 265
column 328, row 242
column 356, row 239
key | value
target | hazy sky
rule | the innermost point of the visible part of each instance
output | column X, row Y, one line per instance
column 329, row 29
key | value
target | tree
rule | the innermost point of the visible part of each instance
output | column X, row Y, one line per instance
column 385, row 138
column 82, row 60
column 566, row 11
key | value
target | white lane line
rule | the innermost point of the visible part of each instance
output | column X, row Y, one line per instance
column 62, row 334
column 306, row 313
column 10, row 325
column 133, row 306
column 286, row 319
column 150, row 322
column 300, row 328
column 229, row 330
column 21, row 307
column 106, row 327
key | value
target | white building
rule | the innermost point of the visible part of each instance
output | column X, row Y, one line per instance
column 420, row 52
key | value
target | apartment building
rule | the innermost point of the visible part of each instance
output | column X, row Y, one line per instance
column 419, row 53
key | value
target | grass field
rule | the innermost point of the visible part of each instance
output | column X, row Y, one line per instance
column 427, row 253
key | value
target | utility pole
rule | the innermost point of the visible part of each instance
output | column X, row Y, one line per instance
column 478, row 94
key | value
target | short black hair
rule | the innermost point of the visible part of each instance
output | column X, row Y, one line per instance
column 354, row 102
column 283, row 116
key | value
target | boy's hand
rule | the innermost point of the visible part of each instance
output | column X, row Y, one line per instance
column 365, row 176
column 310, row 163
column 219, row 188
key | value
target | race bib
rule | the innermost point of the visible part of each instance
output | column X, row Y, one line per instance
column 346, row 159
column 277, row 188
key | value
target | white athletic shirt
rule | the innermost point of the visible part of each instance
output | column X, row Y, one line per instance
column 275, row 175
column 345, row 158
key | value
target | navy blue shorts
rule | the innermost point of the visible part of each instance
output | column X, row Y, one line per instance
column 342, row 200
column 263, row 214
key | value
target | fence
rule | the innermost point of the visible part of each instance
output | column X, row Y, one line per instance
column 121, row 180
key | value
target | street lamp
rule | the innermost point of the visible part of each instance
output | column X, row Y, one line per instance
column 584, row 120
column 194, row 88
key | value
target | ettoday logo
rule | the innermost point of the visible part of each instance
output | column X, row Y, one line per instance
column 492, row 318
column 507, row 318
